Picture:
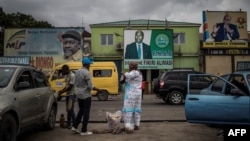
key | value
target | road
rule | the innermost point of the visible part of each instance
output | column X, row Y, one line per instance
column 160, row 122
column 153, row 109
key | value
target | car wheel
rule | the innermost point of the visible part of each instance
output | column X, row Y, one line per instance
column 175, row 97
column 50, row 124
column 8, row 128
column 102, row 95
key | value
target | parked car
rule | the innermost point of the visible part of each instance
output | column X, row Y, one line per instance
column 225, row 102
column 171, row 86
column 25, row 100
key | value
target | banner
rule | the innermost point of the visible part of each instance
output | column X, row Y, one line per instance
column 152, row 49
column 47, row 47
column 227, row 29
column 14, row 60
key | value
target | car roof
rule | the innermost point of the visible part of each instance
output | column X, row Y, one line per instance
column 180, row 69
column 16, row 66
column 20, row 67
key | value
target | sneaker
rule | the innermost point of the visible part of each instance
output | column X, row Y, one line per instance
column 75, row 130
column 86, row 133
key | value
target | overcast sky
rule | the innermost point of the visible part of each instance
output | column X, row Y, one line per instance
column 71, row 13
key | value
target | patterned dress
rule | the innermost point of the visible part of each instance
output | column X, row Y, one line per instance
column 132, row 99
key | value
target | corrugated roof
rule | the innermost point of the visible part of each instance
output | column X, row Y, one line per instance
column 143, row 22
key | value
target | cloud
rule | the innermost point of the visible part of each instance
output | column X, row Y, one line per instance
column 65, row 13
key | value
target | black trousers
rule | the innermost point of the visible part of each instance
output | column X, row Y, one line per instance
column 83, row 113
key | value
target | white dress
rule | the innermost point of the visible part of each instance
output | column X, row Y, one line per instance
column 132, row 99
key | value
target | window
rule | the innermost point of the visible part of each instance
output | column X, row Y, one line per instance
column 40, row 79
column 218, row 85
column 179, row 38
column 102, row 73
column 215, row 51
column 6, row 75
column 173, row 76
column 25, row 80
column 248, row 78
column 107, row 39
column 57, row 75
column 239, row 81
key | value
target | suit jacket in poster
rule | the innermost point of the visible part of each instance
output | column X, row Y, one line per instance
column 221, row 32
column 131, row 51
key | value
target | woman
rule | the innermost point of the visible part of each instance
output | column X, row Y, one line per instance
column 132, row 98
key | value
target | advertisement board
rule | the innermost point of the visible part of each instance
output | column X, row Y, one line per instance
column 225, row 29
column 15, row 60
column 47, row 47
column 152, row 49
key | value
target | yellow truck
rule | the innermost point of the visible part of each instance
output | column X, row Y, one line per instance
column 104, row 76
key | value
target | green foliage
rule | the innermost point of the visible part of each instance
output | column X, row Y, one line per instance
column 20, row 20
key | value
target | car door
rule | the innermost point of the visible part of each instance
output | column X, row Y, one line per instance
column 42, row 89
column 217, row 105
column 27, row 97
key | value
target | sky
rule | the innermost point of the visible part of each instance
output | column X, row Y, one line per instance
column 77, row 13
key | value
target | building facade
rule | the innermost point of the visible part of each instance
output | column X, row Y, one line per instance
column 107, row 44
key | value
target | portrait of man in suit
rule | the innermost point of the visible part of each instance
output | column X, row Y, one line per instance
column 225, row 30
column 138, row 49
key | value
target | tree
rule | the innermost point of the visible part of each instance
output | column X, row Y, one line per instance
column 20, row 20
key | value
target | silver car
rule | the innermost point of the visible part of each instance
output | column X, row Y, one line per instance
column 25, row 100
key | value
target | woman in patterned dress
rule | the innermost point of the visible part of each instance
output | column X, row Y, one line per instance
column 132, row 98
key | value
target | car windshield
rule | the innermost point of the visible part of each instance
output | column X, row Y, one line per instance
column 6, row 74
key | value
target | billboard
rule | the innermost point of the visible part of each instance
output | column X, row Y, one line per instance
column 15, row 60
column 152, row 49
column 226, row 29
column 47, row 47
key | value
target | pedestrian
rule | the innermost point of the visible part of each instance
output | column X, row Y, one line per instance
column 132, row 98
column 143, row 85
column 84, row 85
column 70, row 97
